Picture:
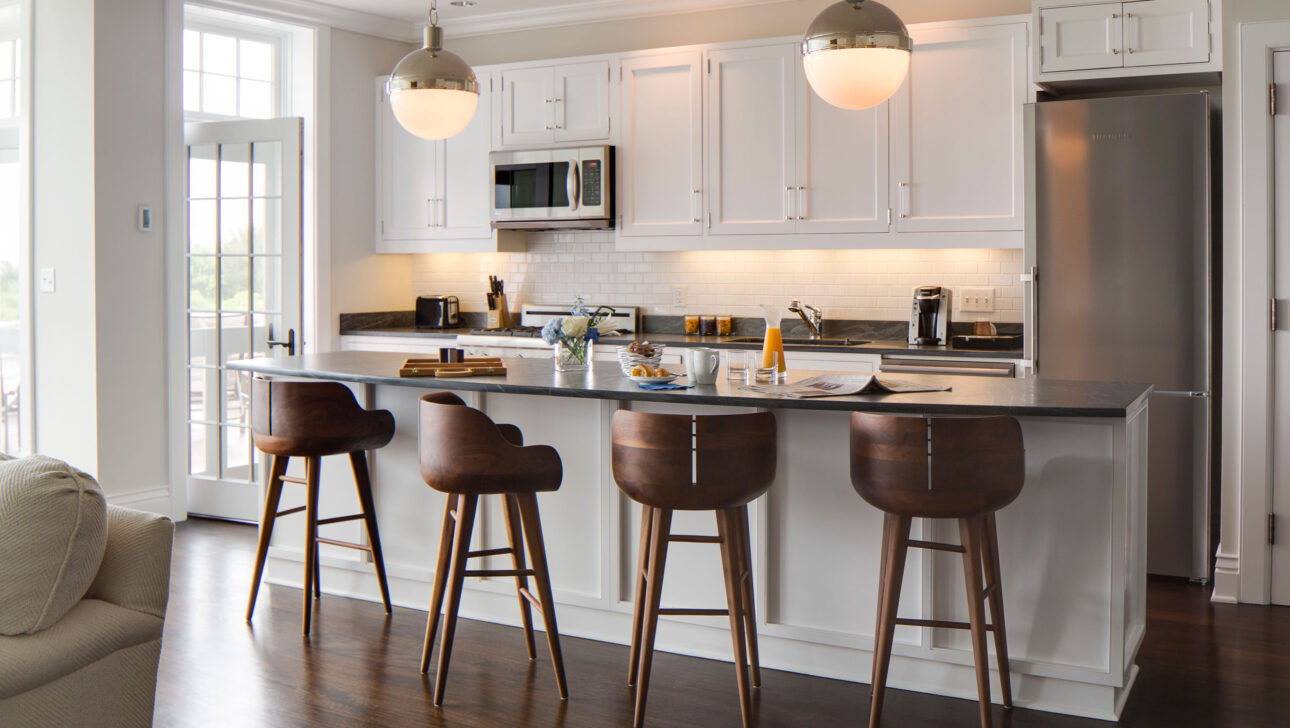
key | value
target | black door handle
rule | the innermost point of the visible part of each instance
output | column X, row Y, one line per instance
column 289, row 344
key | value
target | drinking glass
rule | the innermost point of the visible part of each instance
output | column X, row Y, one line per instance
column 767, row 369
column 737, row 365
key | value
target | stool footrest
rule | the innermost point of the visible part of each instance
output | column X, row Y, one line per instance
column 694, row 539
column 989, row 590
column 933, row 545
column 489, row 552
column 537, row 603
column 696, row 612
column 340, row 519
column 289, row 511
column 293, row 479
column 500, row 572
column 937, row 623
column 344, row 544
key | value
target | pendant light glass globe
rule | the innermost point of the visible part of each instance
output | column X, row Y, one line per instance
column 433, row 92
column 856, row 54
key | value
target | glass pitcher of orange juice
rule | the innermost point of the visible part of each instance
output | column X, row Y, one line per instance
column 774, row 341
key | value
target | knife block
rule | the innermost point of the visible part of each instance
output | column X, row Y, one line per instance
column 499, row 316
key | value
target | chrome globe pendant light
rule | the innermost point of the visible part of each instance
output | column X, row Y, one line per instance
column 856, row 54
column 433, row 92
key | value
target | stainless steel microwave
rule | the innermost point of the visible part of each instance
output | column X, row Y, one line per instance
column 553, row 189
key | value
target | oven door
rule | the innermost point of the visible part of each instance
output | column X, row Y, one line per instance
column 535, row 185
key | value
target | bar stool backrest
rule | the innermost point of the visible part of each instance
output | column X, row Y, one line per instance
column 308, row 419
column 694, row 462
column 463, row 451
column 936, row 467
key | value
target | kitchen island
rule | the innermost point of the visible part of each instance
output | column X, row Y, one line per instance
column 1072, row 545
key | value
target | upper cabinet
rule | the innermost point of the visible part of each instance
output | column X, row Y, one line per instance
column 554, row 104
column 957, row 134
column 1078, row 41
column 660, row 151
column 433, row 196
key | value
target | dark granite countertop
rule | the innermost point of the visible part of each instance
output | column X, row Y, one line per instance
column 968, row 396
column 725, row 342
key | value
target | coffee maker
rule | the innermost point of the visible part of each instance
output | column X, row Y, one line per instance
column 929, row 320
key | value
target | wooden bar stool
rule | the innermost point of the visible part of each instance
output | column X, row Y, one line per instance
column 311, row 420
column 715, row 463
column 466, row 455
column 964, row 468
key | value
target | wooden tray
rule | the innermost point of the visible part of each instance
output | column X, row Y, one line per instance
column 472, row 367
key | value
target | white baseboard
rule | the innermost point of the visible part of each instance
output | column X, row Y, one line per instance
column 1227, row 579
column 154, row 500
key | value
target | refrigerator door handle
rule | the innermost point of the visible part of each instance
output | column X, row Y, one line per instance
column 1033, row 334
column 1183, row 393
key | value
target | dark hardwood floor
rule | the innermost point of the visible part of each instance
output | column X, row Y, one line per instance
column 1202, row 665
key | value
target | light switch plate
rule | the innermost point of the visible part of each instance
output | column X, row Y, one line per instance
column 976, row 299
column 46, row 280
column 678, row 296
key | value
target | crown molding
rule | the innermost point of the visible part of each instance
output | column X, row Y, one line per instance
column 308, row 12
column 596, row 11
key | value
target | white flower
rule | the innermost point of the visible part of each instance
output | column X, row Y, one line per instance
column 575, row 327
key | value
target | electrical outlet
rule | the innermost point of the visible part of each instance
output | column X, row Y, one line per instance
column 46, row 280
column 976, row 299
column 678, row 296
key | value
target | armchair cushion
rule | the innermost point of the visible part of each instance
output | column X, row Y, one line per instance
column 53, row 531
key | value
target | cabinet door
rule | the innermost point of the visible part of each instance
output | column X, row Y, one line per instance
column 957, row 136
column 751, row 118
column 407, row 176
column 528, row 106
column 661, row 150
column 1081, row 37
column 842, row 167
column 582, row 102
column 1159, row 32
column 467, row 189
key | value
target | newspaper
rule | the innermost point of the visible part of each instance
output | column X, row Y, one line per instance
column 841, row 385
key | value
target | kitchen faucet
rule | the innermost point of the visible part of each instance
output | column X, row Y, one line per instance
column 814, row 321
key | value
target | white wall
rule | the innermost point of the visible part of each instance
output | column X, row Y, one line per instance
column 100, row 338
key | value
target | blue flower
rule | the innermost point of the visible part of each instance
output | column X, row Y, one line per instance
column 553, row 332
column 593, row 334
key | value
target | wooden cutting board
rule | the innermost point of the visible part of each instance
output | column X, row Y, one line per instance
column 471, row 367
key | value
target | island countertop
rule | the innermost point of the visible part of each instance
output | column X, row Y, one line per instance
column 967, row 395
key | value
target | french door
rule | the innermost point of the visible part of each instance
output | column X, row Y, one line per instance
column 243, row 295
column 1281, row 336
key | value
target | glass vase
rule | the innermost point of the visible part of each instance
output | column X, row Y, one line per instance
column 573, row 356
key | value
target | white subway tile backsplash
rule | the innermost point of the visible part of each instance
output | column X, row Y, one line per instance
column 860, row 284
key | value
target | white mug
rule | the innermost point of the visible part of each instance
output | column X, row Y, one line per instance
column 701, row 365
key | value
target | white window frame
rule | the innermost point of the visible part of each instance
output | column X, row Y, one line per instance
column 21, row 124
column 198, row 19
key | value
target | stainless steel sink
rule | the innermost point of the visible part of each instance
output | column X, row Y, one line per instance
column 801, row 342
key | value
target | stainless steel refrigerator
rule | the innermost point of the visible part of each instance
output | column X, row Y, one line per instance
column 1119, row 254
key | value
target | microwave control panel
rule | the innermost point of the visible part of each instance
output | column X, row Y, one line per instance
column 591, row 183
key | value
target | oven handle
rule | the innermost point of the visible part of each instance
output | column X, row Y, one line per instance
column 997, row 371
column 573, row 185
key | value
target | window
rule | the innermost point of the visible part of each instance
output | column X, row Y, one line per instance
column 15, row 322
column 230, row 74
column 10, row 88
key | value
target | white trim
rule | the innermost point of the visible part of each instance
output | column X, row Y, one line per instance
column 597, row 11
column 26, row 257
column 1251, row 351
column 176, row 225
column 316, row 266
column 319, row 14
column 156, row 500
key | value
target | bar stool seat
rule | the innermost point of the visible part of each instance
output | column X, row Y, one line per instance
column 965, row 468
column 313, row 420
column 464, row 454
column 717, row 463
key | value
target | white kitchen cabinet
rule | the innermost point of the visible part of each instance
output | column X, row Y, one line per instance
column 1123, row 35
column 660, row 152
column 751, row 118
column 957, row 137
column 842, row 165
column 433, row 196
column 549, row 104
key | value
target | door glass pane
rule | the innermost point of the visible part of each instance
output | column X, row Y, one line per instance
column 235, row 170
column 235, row 283
column 235, row 336
column 266, row 225
column 235, row 226
column 203, row 441
column 266, row 175
column 203, row 339
column 203, row 283
column 237, row 454
column 203, row 400
column 201, row 226
column 201, row 172
column 265, row 271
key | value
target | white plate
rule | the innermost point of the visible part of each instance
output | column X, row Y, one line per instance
column 655, row 380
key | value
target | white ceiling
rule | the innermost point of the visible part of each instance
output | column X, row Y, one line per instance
column 489, row 16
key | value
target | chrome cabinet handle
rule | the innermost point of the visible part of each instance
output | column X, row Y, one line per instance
column 801, row 203
column 788, row 203
column 430, row 212
column 564, row 114
column 904, row 200
column 696, row 205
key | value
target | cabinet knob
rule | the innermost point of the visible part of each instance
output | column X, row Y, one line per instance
column 1114, row 16
column 1130, row 50
column 1115, row 51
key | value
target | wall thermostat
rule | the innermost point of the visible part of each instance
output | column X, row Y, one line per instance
column 145, row 218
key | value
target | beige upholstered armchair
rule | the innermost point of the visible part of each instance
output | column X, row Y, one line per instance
column 94, row 664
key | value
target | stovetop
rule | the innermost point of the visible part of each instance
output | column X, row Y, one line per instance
column 524, row 331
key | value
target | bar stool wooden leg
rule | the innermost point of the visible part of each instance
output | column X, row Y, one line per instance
column 895, row 546
column 660, row 527
column 994, row 575
column 363, row 481
column 273, row 494
column 532, row 525
column 311, row 535
column 729, row 532
column 748, row 605
column 515, row 537
column 971, row 530
column 317, row 573
column 642, row 584
column 460, row 547
column 441, row 570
